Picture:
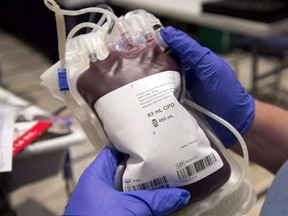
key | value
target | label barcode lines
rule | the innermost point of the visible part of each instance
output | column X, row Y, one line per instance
column 196, row 167
column 161, row 182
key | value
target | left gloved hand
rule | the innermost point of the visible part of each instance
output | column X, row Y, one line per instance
column 94, row 194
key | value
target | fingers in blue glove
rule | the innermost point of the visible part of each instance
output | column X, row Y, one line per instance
column 162, row 201
column 184, row 46
column 105, row 165
column 95, row 194
column 159, row 202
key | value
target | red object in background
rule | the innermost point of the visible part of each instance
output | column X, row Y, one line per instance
column 30, row 135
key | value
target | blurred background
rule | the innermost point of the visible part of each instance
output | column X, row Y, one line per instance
column 256, row 47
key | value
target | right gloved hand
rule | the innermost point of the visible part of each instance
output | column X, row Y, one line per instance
column 212, row 84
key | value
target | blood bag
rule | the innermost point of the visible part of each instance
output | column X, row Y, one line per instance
column 126, row 88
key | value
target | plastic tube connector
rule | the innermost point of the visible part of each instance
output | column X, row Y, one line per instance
column 62, row 80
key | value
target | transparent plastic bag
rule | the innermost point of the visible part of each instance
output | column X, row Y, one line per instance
column 126, row 89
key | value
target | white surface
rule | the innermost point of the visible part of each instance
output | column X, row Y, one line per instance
column 62, row 142
column 7, row 116
column 190, row 11
column 76, row 137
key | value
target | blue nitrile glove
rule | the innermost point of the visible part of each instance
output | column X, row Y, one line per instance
column 94, row 194
column 212, row 84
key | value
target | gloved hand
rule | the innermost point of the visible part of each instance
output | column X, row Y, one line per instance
column 212, row 84
column 94, row 194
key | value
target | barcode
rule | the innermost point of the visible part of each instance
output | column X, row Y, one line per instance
column 196, row 167
column 155, row 184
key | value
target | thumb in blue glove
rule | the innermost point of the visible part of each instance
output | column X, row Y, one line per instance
column 212, row 84
column 94, row 194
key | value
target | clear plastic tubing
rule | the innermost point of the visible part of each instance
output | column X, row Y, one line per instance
column 50, row 4
column 234, row 131
column 80, row 26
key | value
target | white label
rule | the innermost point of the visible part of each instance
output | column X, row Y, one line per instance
column 167, row 147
